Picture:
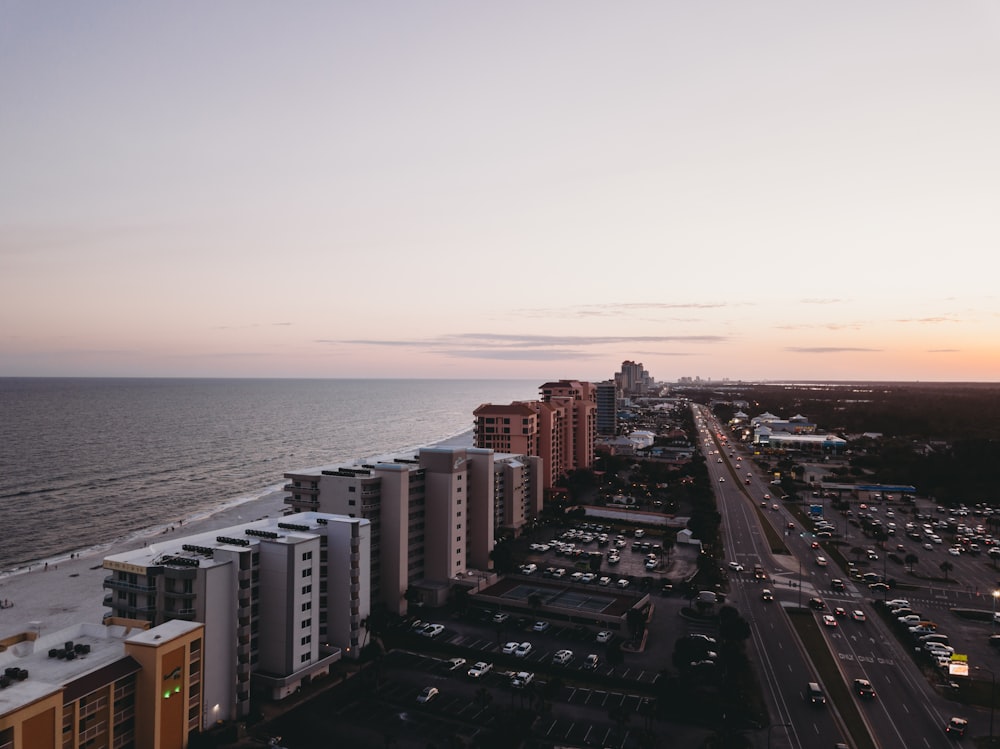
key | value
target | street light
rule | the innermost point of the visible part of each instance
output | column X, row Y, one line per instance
column 775, row 725
column 994, row 624
column 993, row 688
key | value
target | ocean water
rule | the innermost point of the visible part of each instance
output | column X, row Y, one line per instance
column 86, row 463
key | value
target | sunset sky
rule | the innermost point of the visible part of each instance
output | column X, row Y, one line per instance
column 753, row 190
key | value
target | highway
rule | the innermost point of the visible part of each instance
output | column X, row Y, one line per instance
column 905, row 712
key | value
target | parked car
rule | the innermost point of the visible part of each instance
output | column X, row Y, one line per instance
column 480, row 669
column 510, row 647
column 453, row 664
column 540, row 626
column 522, row 650
column 427, row 694
column 562, row 657
column 590, row 662
column 521, row 679
column 604, row 636
column 432, row 630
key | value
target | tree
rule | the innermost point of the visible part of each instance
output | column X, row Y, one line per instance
column 636, row 621
column 911, row 559
column 946, row 567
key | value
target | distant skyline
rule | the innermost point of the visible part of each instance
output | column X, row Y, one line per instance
column 756, row 191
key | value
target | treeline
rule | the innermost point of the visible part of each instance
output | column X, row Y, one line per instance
column 942, row 438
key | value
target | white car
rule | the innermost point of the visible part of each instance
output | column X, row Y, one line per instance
column 622, row 583
column 480, row 669
column 522, row 650
column 604, row 636
column 604, row 580
column 432, row 630
column 427, row 694
column 521, row 679
column 736, row 566
column 562, row 657
column 540, row 626
column 510, row 647
column 590, row 662
column 453, row 664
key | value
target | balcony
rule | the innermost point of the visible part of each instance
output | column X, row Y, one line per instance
column 114, row 584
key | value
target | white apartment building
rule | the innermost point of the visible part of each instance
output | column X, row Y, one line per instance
column 281, row 600
column 434, row 515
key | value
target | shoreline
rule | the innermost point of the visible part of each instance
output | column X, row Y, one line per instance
column 67, row 589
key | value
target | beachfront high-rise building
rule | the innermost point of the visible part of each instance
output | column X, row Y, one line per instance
column 434, row 517
column 281, row 600
column 561, row 428
column 96, row 685
column 607, row 408
column 633, row 379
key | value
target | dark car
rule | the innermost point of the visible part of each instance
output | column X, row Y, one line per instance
column 864, row 689
column 817, row 604
column 956, row 727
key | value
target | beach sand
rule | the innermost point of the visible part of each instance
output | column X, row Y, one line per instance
column 64, row 592
column 68, row 591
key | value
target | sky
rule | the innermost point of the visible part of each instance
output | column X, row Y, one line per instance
column 760, row 190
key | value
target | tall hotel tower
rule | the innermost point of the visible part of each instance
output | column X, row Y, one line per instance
column 434, row 516
column 561, row 428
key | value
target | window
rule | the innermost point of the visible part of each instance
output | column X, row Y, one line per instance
column 307, row 605
column 458, row 538
column 351, row 502
column 306, row 589
column 307, row 572
column 352, row 488
column 458, row 490
column 458, row 502
column 304, row 658
column 458, row 514
column 458, row 526
column 306, row 640
column 307, row 555
column 306, row 623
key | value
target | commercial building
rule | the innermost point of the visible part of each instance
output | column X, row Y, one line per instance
column 281, row 599
column 118, row 685
column 434, row 516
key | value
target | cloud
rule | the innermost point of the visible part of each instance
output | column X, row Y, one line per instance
column 943, row 350
column 927, row 320
column 620, row 309
column 831, row 300
column 830, row 350
column 524, row 346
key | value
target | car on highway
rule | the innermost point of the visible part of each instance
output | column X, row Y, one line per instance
column 427, row 694
column 956, row 727
column 829, row 620
column 864, row 689
column 453, row 664
column 766, row 595
column 837, row 584
column 858, row 615
column 817, row 604
column 736, row 566
column 814, row 694
column 480, row 669
column 839, row 611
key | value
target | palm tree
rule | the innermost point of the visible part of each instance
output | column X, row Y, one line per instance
column 946, row 567
column 911, row 559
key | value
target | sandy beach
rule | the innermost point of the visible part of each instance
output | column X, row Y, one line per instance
column 64, row 592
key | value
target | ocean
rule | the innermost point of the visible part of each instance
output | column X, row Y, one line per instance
column 87, row 463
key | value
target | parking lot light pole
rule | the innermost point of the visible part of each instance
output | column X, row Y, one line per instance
column 994, row 623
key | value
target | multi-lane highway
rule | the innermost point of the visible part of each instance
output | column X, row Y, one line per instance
column 905, row 712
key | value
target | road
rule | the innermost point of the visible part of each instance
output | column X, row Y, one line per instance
column 906, row 711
